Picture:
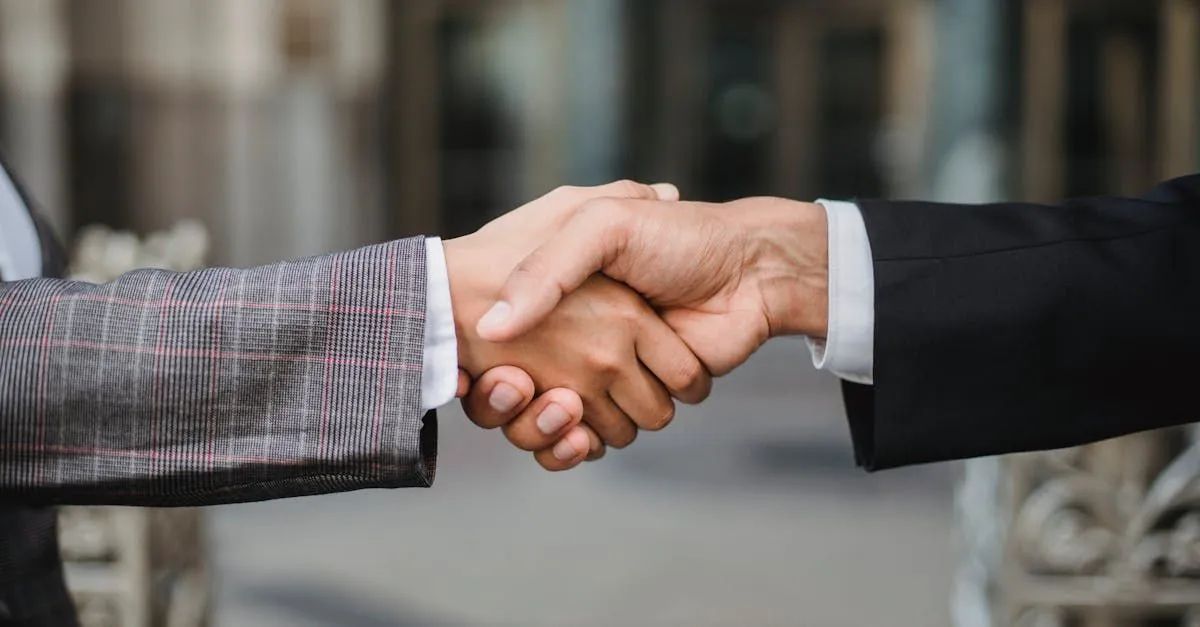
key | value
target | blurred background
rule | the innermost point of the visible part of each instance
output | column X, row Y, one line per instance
column 294, row 127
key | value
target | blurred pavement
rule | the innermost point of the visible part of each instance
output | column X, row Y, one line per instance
column 746, row 511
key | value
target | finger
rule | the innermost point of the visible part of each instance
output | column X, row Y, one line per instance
column 591, row 238
column 614, row 427
column 632, row 190
column 660, row 348
column 666, row 191
column 546, row 420
column 596, row 447
column 537, row 293
column 567, row 453
column 643, row 398
column 464, row 384
column 498, row 396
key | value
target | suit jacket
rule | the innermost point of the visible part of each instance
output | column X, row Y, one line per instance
column 32, row 589
column 1015, row 327
column 215, row 386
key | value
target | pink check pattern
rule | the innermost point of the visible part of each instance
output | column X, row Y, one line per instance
column 217, row 386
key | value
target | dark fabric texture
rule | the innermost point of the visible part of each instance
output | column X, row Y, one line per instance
column 32, row 590
column 1016, row 327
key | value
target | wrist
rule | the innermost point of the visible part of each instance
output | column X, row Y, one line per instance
column 471, row 288
column 789, row 262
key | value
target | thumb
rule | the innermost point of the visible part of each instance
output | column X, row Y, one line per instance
column 665, row 191
column 593, row 238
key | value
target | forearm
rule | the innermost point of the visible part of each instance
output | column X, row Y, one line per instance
column 1003, row 328
column 219, row 385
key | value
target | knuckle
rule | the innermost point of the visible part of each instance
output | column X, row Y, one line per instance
column 608, row 218
column 627, row 309
column 533, row 273
column 549, row 463
column 702, row 392
column 490, row 422
column 530, row 267
column 521, row 438
column 484, row 419
column 628, row 188
column 603, row 361
column 623, row 438
column 602, row 208
column 564, row 190
column 630, row 303
column 665, row 416
column 689, row 374
column 568, row 399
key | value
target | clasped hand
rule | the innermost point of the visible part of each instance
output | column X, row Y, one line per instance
column 584, row 315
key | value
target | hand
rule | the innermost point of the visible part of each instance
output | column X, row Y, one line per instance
column 726, row 277
column 505, row 397
column 604, row 342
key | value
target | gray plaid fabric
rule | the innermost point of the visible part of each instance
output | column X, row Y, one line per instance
column 217, row 386
column 32, row 590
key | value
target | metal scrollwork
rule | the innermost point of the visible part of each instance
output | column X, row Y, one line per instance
column 1106, row 534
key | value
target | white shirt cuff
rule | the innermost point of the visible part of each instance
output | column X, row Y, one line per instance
column 848, row 350
column 439, row 370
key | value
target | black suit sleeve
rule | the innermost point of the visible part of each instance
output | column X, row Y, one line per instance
column 1015, row 327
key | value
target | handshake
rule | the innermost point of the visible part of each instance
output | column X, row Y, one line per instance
column 584, row 315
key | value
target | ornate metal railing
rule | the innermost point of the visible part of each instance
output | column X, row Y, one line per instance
column 1104, row 535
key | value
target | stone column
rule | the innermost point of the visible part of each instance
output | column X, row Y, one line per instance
column 1179, row 87
column 680, row 48
column 596, row 64
column 34, row 63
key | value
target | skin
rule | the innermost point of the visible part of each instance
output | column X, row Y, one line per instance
column 727, row 277
column 519, row 422
column 614, row 367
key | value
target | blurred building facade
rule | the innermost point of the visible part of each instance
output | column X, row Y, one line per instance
column 297, row 126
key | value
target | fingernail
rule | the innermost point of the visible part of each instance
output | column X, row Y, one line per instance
column 666, row 191
column 494, row 317
column 504, row 397
column 563, row 451
column 552, row 419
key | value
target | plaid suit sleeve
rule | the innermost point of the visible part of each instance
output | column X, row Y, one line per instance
column 217, row 386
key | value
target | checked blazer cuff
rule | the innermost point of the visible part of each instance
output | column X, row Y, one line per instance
column 217, row 386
